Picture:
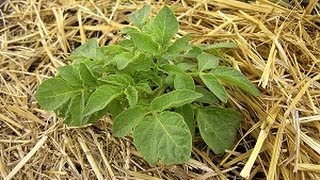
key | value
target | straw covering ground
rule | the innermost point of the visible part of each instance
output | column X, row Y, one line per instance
column 278, row 49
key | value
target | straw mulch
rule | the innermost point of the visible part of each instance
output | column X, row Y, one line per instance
column 278, row 49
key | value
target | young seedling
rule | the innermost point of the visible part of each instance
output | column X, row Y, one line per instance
column 158, row 88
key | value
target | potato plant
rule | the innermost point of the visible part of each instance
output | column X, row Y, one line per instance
column 157, row 87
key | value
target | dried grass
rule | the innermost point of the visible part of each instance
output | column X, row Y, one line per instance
column 279, row 50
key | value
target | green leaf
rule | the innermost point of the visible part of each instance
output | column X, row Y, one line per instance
column 144, row 43
column 187, row 66
column 165, row 137
column 123, row 59
column 193, row 53
column 214, row 86
column 62, row 111
column 174, row 99
column 171, row 69
column 71, row 75
column 100, row 98
column 183, row 81
column 164, row 26
column 208, row 97
column 235, row 78
column 142, row 63
column 144, row 87
column 125, row 121
column 53, row 93
column 218, row 127
column 220, row 45
column 140, row 16
column 132, row 95
column 207, row 61
column 187, row 113
column 180, row 45
column 87, row 76
column 75, row 109
column 118, row 80
column 90, row 49
column 128, row 30
column 115, row 107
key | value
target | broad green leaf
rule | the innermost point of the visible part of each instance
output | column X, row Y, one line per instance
column 128, row 30
column 142, row 63
column 218, row 127
column 140, row 16
column 115, row 107
column 123, row 59
column 87, row 76
column 100, row 98
column 187, row 66
column 125, row 121
column 169, row 80
column 214, row 86
column 118, row 80
column 75, row 109
column 187, row 113
column 207, row 61
column 144, row 43
column 132, row 95
column 208, row 97
column 126, row 43
column 151, row 76
column 180, row 45
column 221, row 45
column 194, row 52
column 144, row 87
column 183, row 81
column 175, row 98
column 71, row 75
column 53, row 93
column 90, row 49
column 62, row 111
column 235, row 78
column 165, row 137
column 94, row 117
column 164, row 26
column 171, row 69
column 110, row 51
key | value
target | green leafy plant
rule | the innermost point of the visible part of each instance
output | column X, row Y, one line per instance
column 158, row 87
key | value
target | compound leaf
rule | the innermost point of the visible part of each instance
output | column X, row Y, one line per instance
column 174, row 99
column 125, row 121
column 165, row 137
column 218, row 127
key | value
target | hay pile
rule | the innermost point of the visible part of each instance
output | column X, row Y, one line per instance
column 279, row 50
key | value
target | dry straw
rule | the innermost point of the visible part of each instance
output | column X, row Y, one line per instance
column 278, row 49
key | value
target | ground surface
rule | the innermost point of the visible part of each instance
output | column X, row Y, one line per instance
column 278, row 49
